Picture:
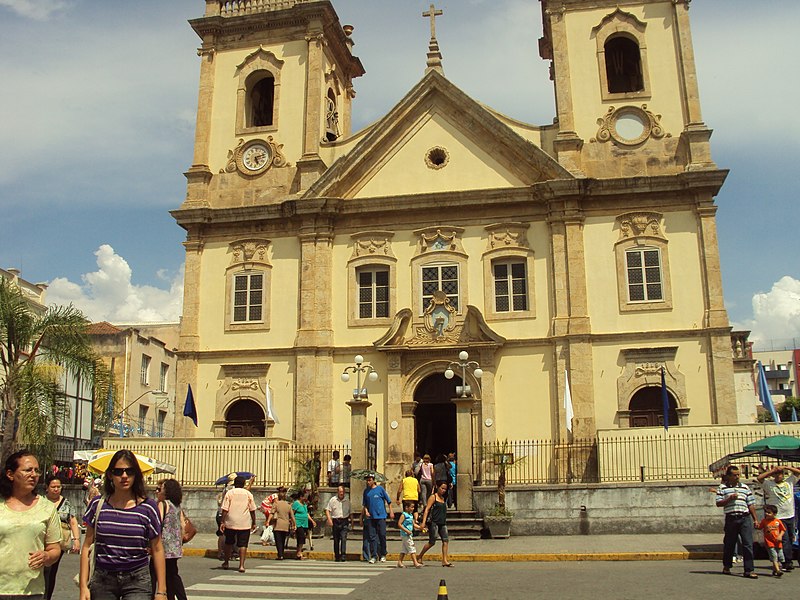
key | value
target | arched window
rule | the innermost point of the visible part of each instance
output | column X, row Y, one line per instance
column 331, row 117
column 245, row 418
column 262, row 100
column 623, row 66
column 647, row 408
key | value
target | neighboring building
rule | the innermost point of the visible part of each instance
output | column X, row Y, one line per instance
column 780, row 367
column 144, row 369
column 74, row 432
column 586, row 247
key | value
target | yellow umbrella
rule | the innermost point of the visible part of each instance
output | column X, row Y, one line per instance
column 99, row 461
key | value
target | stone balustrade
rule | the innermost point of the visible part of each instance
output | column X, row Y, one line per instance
column 235, row 8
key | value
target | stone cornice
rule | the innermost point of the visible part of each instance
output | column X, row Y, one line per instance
column 225, row 33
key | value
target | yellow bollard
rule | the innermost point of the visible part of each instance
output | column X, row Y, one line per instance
column 442, row 590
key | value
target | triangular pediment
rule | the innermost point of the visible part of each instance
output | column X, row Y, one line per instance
column 470, row 330
column 437, row 139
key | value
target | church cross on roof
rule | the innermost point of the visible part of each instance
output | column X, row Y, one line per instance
column 434, row 62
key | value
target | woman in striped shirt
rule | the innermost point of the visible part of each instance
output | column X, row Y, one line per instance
column 124, row 528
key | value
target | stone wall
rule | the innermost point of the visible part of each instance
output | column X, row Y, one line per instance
column 594, row 509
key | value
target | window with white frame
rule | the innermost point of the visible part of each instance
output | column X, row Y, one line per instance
column 162, row 380
column 440, row 277
column 643, row 267
column 373, row 292
column 510, row 286
column 145, row 373
column 248, row 297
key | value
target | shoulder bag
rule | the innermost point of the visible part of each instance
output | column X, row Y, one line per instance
column 92, row 557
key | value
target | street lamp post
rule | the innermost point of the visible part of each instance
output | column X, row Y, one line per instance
column 464, row 402
column 121, row 414
column 358, row 424
column 464, row 363
column 360, row 370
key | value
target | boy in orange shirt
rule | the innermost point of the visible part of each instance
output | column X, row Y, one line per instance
column 773, row 535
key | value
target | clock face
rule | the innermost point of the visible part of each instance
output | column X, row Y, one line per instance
column 256, row 157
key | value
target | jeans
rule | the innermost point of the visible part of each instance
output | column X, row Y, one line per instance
column 366, row 540
column 175, row 587
column 737, row 525
column 426, row 489
column 280, row 541
column 340, row 529
column 122, row 585
column 788, row 539
column 377, row 538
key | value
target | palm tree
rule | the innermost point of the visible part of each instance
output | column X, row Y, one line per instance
column 36, row 348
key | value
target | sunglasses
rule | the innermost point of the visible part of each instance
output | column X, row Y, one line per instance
column 129, row 471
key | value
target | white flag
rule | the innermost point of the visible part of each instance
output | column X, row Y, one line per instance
column 270, row 410
column 568, row 412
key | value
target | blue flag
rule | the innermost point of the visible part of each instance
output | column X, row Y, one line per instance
column 764, row 395
column 664, row 399
column 189, row 409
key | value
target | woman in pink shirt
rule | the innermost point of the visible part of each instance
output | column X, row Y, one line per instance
column 425, row 479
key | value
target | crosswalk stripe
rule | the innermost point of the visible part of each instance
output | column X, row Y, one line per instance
column 231, row 589
column 286, row 578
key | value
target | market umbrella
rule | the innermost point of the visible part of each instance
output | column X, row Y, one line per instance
column 231, row 476
column 781, row 447
column 363, row 473
column 100, row 459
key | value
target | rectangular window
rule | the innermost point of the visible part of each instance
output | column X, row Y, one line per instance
column 161, row 421
column 373, row 293
column 644, row 275
column 510, row 286
column 162, row 380
column 141, row 427
column 145, row 374
column 441, row 277
column 248, row 297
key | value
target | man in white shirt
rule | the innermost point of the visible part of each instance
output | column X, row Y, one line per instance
column 334, row 470
column 340, row 518
column 780, row 492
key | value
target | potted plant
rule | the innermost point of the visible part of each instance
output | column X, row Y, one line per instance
column 498, row 520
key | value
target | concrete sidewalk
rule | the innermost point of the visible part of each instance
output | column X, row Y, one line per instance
column 667, row 546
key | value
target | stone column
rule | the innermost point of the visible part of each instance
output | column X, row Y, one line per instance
column 358, row 451
column 464, row 469
column 399, row 441
column 716, row 315
column 199, row 174
column 189, row 342
column 310, row 164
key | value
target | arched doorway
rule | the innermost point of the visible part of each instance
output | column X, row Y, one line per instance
column 647, row 409
column 245, row 418
column 435, row 415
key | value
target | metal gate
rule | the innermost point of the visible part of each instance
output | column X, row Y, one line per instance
column 372, row 446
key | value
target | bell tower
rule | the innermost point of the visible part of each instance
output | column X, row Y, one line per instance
column 275, row 84
column 626, row 87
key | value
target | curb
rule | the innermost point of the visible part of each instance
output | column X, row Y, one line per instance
column 541, row 557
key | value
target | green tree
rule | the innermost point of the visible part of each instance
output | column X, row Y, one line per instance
column 785, row 410
column 36, row 348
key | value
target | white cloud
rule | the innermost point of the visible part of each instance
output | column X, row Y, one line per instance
column 776, row 314
column 34, row 9
column 108, row 294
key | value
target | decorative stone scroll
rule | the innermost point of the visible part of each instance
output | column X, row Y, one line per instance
column 629, row 126
column 235, row 157
column 507, row 235
column 439, row 316
column 250, row 250
column 372, row 243
column 436, row 239
column 639, row 224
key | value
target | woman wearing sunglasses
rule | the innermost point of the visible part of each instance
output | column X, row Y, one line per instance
column 124, row 528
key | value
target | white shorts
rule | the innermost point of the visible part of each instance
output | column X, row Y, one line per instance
column 408, row 545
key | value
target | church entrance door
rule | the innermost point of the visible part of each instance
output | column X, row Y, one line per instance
column 245, row 418
column 435, row 416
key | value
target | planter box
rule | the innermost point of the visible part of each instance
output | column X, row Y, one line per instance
column 499, row 527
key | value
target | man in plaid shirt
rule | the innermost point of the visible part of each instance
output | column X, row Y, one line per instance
column 738, row 502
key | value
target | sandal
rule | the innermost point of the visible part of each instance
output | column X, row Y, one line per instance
column 224, row 565
column 726, row 571
column 750, row 575
column 448, row 565
column 241, row 569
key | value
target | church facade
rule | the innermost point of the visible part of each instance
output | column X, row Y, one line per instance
column 579, row 256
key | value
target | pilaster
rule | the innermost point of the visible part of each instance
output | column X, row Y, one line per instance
column 358, row 452
column 189, row 343
column 399, row 437
column 715, row 313
column 199, row 174
column 464, row 445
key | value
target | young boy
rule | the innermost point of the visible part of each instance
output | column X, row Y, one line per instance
column 407, row 525
column 773, row 535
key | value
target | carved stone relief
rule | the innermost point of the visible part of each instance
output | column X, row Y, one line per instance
column 372, row 243
column 637, row 224
column 507, row 235
column 629, row 126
